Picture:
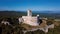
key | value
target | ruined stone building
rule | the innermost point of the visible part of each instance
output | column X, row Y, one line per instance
column 29, row 19
column 35, row 22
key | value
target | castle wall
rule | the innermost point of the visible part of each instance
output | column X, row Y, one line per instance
column 30, row 20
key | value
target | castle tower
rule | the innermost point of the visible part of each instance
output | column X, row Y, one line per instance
column 38, row 19
column 29, row 13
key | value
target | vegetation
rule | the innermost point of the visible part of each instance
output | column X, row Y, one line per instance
column 16, row 28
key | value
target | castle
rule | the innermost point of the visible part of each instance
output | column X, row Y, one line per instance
column 29, row 19
column 34, row 22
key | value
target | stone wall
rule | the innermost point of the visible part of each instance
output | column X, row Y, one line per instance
column 30, row 20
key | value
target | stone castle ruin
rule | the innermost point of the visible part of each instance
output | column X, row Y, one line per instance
column 31, row 20
column 35, row 22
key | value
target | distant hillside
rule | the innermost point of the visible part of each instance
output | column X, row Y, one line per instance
column 46, row 11
column 48, row 14
column 12, row 13
column 21, row 13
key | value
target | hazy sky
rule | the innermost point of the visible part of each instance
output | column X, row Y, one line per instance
column 35, row 5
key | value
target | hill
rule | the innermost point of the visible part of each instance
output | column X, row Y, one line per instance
column 21, row 13
column 12, row 13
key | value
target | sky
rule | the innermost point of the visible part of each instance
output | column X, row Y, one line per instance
column 34, row 5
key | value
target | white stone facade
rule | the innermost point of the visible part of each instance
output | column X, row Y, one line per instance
column 29, row 13
column 29, row 19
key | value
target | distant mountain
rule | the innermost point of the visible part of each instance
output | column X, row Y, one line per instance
column 46, row 11
column 50, row 14
column 23, row 13
column 12, row 13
